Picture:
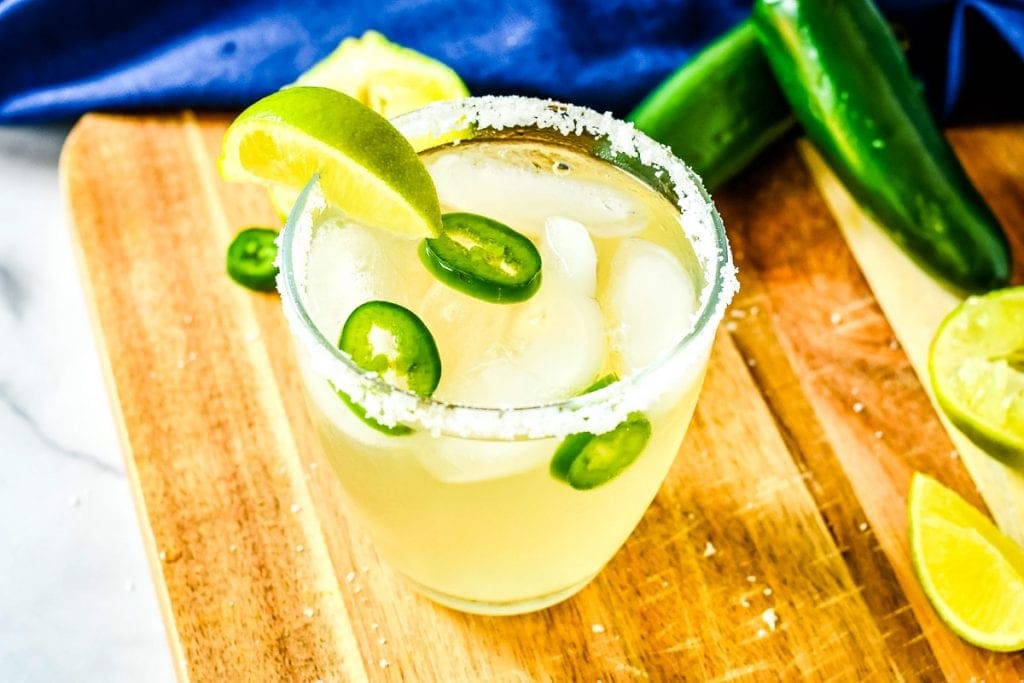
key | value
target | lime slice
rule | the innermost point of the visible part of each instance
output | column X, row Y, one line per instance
column 976, row 365
column 283, row 198
column 972, row 574
column 388, row 78
column 366, row 167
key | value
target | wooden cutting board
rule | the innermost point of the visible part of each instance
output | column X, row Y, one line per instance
column 776, row 549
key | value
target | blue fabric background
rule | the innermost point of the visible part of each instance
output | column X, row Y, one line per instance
column 63, row 57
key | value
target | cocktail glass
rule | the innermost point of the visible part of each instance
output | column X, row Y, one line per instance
column 466, row 506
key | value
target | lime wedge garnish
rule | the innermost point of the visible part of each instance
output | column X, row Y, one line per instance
column 283, row 199
column 971, row 572
column 976, row 365
column 388, row 78
column 367, row 168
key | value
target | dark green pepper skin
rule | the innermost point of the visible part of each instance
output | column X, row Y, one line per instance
column 841, row 68
column 719, row 110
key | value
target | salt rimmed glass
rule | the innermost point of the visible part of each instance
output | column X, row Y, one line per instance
column 465, row 507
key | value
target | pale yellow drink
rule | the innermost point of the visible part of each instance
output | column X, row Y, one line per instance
column 466, row 506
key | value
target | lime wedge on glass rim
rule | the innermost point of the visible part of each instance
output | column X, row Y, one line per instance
column 367, row 168
column 388, row 78
column 976, row 364
column 972, row 573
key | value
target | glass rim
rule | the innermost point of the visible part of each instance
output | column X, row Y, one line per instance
column 595, row 412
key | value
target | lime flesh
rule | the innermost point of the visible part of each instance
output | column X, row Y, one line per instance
column 387, row 77
column 282, row 198
column 976, row 365
column 366, row 167
column 971, row 572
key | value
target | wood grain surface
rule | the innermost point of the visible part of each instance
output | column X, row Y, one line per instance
column 789, row 493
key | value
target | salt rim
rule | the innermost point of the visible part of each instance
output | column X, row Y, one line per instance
column 596, row 412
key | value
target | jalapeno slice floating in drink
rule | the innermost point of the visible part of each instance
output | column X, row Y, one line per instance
column 250, row 259
column 397, row 430
column 392, row 341
column 585, row 460
column 483, row 258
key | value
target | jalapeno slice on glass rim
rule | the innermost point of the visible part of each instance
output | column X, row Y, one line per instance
column 391, row 340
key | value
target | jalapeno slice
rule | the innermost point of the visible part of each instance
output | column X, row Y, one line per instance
column 360, row 412
column 601, row 383
column 250, row 259
column 586, row 461
column 392, row 341
column 483, row 258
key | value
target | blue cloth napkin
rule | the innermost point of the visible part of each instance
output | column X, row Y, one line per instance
column 64, row 57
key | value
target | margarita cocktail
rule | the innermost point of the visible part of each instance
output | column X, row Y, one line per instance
column 501, row 403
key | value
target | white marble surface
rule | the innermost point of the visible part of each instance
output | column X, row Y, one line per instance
column 76, row 599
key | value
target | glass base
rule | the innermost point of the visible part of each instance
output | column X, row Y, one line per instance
column 501, row 609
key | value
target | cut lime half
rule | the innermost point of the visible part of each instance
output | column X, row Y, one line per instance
column 976, row 364
column 387, row 77
column 367, row 168
column 971, row 572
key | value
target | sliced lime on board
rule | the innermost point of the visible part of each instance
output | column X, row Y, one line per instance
column 366, row 167
column 976, row 365
column 971, row 572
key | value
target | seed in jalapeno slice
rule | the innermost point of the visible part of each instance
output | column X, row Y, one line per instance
column 392, row 341
column 250, row 259
column 483, row 258
column 585, row 460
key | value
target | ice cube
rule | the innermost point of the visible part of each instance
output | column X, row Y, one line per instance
column 568, row 256
column 523, row 197
column 464, row 328
column 349, row 264
column 550, row 351
column 648, row 302
column 545, row 349
column 465, row 460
